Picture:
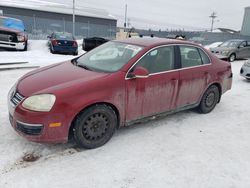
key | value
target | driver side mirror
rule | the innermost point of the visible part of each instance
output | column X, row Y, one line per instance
column 139, row 72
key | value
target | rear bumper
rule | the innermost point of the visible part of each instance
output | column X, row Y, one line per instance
column 65, row 49
column 13, row 45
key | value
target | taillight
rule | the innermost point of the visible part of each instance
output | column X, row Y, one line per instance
column 54, row 42
column 74, row 44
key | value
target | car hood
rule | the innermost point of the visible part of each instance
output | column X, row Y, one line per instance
column 55, row 77
column 10, row 30
column 222, row 48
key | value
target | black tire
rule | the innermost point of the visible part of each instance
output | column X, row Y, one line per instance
column 25, row 47
column 52, row 51
column 209, row 99
column 232, row 57
column 94, row 126
column 75, row 53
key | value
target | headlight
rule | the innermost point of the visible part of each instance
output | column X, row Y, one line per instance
column 20, row 38
column 247, row 63
column 40, row 103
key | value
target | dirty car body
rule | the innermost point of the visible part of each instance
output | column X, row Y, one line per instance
column 116, row 84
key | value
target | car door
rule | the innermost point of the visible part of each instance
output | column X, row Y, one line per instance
column 156, row 93
column 194, row 75
column 243, row 50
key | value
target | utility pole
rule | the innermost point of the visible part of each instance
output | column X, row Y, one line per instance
column 125, row 22
column 73, row 18
column 212, row 16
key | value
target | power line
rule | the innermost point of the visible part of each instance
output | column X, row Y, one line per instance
column 212, row 16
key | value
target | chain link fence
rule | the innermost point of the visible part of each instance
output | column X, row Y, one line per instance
column 40, row 28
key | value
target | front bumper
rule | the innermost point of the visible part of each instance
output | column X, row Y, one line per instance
column 35, row 126
column 13, row 45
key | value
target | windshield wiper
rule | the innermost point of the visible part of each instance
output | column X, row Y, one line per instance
column 84, row 66
column 74, row 61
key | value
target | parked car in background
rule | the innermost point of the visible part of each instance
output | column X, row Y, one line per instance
column 116, row 84
column 60, row 42
column 232, row 49
column 90, row 43
column 245, row 70
column 12, row 34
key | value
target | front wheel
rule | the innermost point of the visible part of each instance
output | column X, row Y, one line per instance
column 209, row 99
column 232, row 57
column 94, row 126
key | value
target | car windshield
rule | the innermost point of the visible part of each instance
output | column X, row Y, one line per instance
column 230, row 44
column 12, row 23
column 109, row 57
column 64, row 36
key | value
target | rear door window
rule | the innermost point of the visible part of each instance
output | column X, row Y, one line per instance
column 190, row 56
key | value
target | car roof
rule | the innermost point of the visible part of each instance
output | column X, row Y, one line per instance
column 4, row 17
column 236, row 40
column 154, row 41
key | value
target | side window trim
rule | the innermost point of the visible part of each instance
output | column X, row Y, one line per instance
column 200, row 56
column 200, row 50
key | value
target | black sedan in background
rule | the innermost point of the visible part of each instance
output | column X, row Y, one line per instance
column 90, row 43
column 62, row 43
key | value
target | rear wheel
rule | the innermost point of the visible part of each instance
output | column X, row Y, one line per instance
column 94, row 126
column 209, row 99
column 52, row 51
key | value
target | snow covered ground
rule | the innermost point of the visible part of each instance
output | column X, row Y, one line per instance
column 186, row 149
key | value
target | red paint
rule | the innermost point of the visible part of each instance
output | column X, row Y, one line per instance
column 76, row 88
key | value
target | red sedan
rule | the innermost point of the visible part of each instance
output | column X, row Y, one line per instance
column 116, row 84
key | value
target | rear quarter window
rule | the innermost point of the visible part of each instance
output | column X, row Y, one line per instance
column 204, row 57
column 190, row 56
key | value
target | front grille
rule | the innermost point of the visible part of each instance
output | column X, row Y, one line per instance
column 16, row 98
column 8, row 36
column 29, row 129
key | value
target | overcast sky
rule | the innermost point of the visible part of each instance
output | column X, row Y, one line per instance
column 163, row 14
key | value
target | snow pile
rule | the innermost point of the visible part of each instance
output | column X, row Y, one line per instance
column 38, row 54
